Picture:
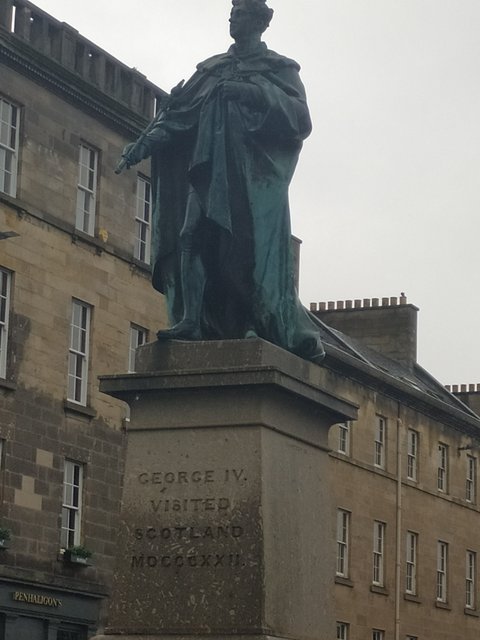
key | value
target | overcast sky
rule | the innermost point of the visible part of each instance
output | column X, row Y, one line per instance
column 386, row 197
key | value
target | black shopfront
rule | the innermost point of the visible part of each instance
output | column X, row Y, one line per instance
column 38, row 612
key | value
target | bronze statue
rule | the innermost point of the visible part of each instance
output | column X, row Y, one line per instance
column 223, row 153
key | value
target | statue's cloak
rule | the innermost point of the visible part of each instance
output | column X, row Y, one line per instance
column 239, row 159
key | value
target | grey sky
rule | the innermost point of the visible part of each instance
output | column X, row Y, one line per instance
column 387, row 192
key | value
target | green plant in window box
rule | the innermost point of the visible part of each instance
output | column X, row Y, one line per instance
column 77, row 555
column 5, row 536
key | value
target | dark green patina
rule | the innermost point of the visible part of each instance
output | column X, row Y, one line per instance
column 223, row 153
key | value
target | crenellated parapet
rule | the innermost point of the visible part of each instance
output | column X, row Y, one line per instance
column 83, row 61
column 365, row 303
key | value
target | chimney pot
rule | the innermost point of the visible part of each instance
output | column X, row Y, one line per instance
column 375, row 302
column 393, row 302
column 385, row 302
column 340, row 304
column 471, row 387
column 348, row 304
column 331, row 304
column 322, row 306
column 358, row 304
column 464, row 388
column 366, row 303
column 455, row 388
column 313, row 306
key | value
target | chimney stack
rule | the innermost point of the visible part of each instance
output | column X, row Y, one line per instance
column 388, row 326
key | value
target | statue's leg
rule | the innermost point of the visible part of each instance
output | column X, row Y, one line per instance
column 193, row 277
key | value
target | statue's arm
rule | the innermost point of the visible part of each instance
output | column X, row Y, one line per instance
column 285, row 111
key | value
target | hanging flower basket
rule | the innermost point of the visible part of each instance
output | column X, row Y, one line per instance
column 77, row 555
column 5, row 536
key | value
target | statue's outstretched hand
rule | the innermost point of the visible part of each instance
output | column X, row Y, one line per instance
column 243, row 92
column 134, row 153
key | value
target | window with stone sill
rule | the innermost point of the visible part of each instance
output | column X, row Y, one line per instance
column 411, row 563
column 471, row 481
column 412, row 455
column 342, row 631
column 138, row 337
column 79, row 353
column 72, row 504
column 9, row 144
column 344, row 438
column 470, row 580
column 5, row 295
column 378, row 634
column 86, row 190
column 380, row 441
column 143, row 218
column 442, row 571
column 442, row 470
column 343, row 534
column 378, row 578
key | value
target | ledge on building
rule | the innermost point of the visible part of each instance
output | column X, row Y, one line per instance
column 443, row 605
column 471, row 612
column 375, row 588
column 346, row 582
column 9, row 385
column 412, row 598
column 79, row 409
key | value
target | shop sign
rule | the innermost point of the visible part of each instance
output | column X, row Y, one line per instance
column 36, row 598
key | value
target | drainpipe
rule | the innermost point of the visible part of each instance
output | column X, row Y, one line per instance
column 398, row 555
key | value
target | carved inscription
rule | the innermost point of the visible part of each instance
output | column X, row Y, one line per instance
column 160, row 544
column 192, row 561
column 190, row 504
column 188, row 533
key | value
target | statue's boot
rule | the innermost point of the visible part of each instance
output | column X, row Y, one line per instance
column 193, row 286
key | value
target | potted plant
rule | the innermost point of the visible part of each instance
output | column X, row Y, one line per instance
column 5, row 535
column 77, row 555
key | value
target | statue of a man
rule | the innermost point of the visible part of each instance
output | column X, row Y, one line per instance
column 223, row 154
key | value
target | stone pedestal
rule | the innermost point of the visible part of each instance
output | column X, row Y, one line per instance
column 227, row 526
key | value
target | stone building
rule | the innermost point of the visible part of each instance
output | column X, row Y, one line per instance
column 405, row 481
column 75, row 300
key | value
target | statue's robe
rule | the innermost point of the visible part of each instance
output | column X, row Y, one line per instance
column 239, row 159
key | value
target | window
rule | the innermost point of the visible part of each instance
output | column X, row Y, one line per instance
column 380, row 435
column 412, row 454
column 411, row 563
column 87, row 190
column 378, row 553
column 9, row 116
column 442, row 479
column 343, row 531
column 138, row 336
column 5, row 286
column 72, row 504
column 471, row 484
column 378, row 635
column 411, row 638
column 342, row 631
column 344, row 438
column 470, row 580
column 442, row 560
column 78, row 355
column 143, row 220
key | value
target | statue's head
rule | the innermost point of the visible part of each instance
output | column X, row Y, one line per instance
column 253, row 15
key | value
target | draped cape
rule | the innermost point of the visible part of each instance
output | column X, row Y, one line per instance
column 239, row 159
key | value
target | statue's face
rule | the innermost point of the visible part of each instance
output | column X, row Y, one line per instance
column 242, row 22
